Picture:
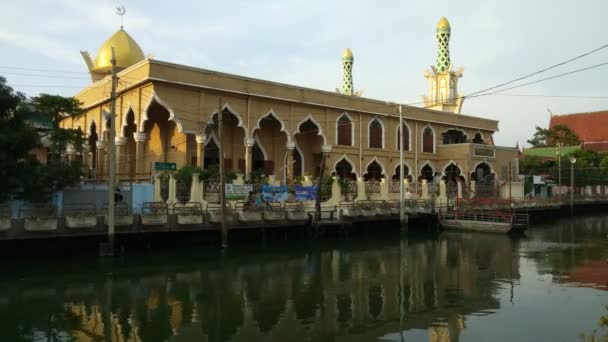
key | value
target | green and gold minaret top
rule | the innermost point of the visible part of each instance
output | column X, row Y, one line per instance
column 443, row 45
column 347, row 87
column 443, row 78
column 347, row 72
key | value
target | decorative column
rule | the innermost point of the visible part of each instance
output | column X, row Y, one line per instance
column 289, row 163
column 157, row 195
column 200, row 150
column 248, row 145
column 172, row 190
column 101, row 158
column 71, row 152
column 140, row 139
column 121, row 144
column 459, row 194
column 86, row 162
column 425, row 190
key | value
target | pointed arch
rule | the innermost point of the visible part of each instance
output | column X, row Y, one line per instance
column 162, row 103
column 407, row 174
column 344, row 157
column 478, row 138
column 373, row 141
column 484, row 162
column 342, row 132
column 377, row 162
column 427, row 170
column 451, row 162
column 271, row 113
column 408, row 130
column 375, row 159
column 454, row 135
column 125, row 122
column 227, row 108
column 312, row 119
column 428, row 133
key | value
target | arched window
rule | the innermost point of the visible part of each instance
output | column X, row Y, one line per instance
column 345, row 131
column 478, row 139
column 373, row 172
column 406, row 138
column 451, row 173
column 345, row 170
column 453, row 136
column 427, row 173
column 375, row 134
column 428, row 140
column 406, row 173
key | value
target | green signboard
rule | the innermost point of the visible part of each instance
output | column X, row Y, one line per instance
column 165, row 166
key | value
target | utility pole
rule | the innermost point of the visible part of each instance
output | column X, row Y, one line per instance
column 112, row 160
column 401, row 175
column 572, row 161
column 220, row 128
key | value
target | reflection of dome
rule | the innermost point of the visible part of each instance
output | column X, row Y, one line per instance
column 443, row 25
column 126, row 51
column 347, row 53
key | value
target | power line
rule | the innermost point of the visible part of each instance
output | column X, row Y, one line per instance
column 542, row 70
column 541, row 80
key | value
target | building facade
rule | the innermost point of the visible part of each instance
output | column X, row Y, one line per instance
column 167, row 112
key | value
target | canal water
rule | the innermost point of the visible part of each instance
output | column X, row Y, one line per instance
column 549, row 285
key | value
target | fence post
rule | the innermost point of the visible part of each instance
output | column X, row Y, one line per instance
column 459, row 189
column 472, row 190
column 194, row 188
column 384, row 189
column 443, row 196
column 425, row 190
column 172, row 190
column 157, row 196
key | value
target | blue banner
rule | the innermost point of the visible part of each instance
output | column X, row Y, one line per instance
column 274, row 193
column 306, row 193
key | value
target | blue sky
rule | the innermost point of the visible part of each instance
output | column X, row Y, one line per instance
column 301, row 42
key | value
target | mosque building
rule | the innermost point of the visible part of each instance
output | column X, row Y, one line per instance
column 167, row 112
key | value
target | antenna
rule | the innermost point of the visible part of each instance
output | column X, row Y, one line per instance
column 120, row 10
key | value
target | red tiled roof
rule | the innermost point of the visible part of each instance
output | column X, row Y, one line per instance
column 590, row 127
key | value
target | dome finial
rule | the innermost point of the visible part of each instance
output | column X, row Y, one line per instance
column 347, row 53
column 443, row 25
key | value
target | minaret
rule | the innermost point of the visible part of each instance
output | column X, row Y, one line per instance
column 443, row 81
column 347, row 72
column 443, row 45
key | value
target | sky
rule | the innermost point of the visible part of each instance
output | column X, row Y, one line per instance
column 301, row 42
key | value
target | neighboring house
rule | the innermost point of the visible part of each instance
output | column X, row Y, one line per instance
column 43, row 124
column 591, row 128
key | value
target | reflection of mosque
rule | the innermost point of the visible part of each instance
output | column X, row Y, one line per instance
column 308, row 295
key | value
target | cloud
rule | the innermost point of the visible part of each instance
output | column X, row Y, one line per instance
column 301, row 41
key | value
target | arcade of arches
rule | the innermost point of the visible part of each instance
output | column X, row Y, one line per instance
column 286, row 134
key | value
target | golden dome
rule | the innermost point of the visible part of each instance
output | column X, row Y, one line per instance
column 443, row 25
column 347, row 53
column 126, row 51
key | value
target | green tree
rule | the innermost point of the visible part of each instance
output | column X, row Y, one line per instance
column 558, row 134
column 17, row 139
column 21, row 175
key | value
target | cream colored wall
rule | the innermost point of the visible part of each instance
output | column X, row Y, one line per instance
column 191, row 108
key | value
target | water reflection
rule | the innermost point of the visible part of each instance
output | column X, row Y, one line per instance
column 359, row 291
